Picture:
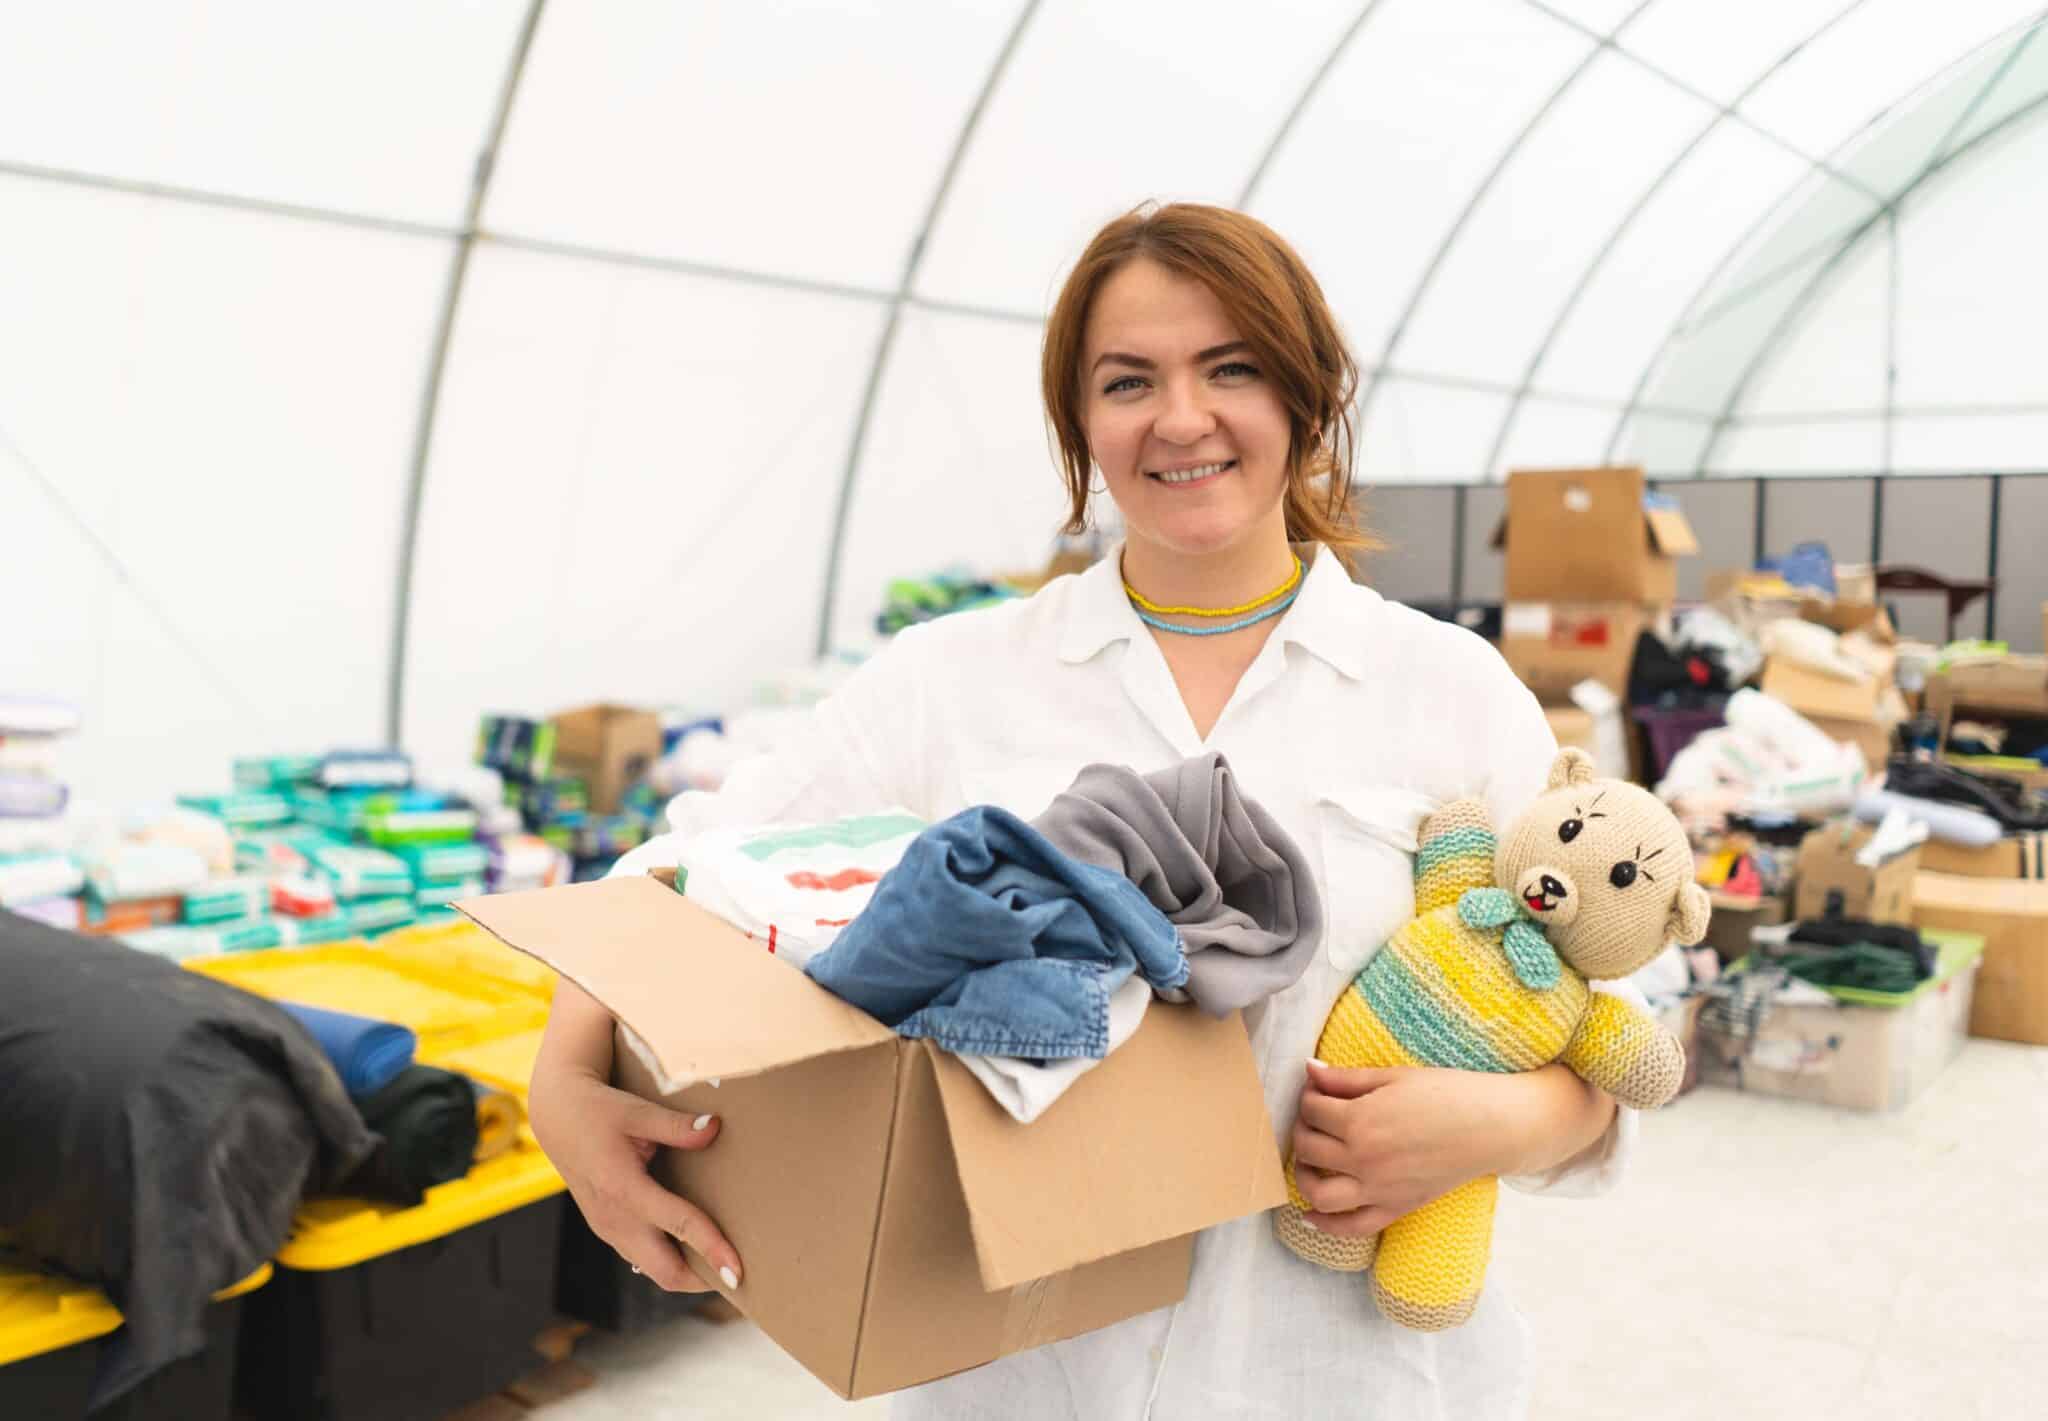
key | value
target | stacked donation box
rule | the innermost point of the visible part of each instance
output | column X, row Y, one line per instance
column 1592, row 561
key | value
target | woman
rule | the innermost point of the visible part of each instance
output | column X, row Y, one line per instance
column 1191, row 363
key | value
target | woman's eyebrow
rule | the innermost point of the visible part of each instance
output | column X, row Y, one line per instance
column 1141, row 363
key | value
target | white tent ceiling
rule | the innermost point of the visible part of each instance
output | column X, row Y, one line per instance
column 365, row 366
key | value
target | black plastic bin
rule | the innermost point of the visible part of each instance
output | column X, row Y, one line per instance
column 407, row 1335
column 596, row 1286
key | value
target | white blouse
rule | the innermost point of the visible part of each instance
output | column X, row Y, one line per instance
column 1358, row 716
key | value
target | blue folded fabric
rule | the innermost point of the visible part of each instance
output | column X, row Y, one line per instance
column 367, row 1054
column 989, row 941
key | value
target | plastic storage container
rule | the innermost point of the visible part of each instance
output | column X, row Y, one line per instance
column 389, row 1314
column 51, row 1331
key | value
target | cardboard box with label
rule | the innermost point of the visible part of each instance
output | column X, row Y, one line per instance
column 2012, row 916
column 1734, row 918
column 1584, row 535
column 1552, row 647
column 1827, row 866
column 1863, row 713
column 894, row 1223
column 1855, row 1055
column 2014, row 856
column 610, row 748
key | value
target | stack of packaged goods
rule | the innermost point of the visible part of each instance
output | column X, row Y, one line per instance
column 38, row 875
column 579, row 785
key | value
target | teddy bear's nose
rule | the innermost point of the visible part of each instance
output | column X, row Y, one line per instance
column 1552, row 888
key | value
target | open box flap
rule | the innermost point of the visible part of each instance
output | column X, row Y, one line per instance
column 1670, row 534
column 703, row 999
column 1179, row 1101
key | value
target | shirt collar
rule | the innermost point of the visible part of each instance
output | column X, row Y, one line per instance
column 1323, row 620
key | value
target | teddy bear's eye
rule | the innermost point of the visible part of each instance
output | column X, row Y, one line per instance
column 1569, row 830
column 1622, row 874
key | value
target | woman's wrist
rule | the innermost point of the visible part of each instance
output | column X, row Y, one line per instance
column 1554, row 1117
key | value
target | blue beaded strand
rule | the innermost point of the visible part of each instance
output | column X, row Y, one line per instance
column 1273, row 611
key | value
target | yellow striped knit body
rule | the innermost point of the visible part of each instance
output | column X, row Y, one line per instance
column 1445, row 990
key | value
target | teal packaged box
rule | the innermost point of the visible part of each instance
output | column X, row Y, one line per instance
column 439, row 895
column 358, row 872
column 443, row 863
column 377, row 915
column 223, row 900
column 306, row 932
column 252, row 936
column 396, row 828
column 247, row 809
column 275, row 771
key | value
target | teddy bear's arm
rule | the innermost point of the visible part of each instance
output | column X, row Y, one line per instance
column 1455, row 853
column 1621, row 1049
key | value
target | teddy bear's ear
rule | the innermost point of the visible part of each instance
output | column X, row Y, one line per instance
column 1571, row 767
column 1689, row 914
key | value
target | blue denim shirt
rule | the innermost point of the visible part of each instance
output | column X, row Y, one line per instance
column 989, row 941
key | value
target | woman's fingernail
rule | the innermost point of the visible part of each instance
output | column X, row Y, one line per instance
column 1310, row 1224
column 732, row 1279
column 700, row 1122
column 1314, row 1062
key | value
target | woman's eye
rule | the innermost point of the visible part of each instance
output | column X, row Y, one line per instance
column 1236, row 368
column 1120, row 384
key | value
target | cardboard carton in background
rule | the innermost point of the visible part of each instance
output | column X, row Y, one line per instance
column 1864, row 713
column 1552, row 647
column 1583, row 535
column 1734, row 918
column 1827, row 864
column 2014, row 856
column 2012, row 916
column 608, row 747
column 894, row 1223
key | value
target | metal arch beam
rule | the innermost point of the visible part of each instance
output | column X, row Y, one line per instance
column 1485, row 186
column 912, row 262
column 437, row 368
column 1689, row 311
column 1628, row 221
column 1790, row 318
column 1308, row 93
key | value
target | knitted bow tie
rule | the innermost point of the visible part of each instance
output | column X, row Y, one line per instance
column 1529, row 952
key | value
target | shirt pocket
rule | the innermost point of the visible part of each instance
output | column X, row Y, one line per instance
column 1368, row 839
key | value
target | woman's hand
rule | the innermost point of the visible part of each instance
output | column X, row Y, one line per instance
column 601, row 1140
column 1372, row 1145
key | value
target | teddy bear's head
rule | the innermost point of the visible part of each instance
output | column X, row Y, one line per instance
column 1605, row 868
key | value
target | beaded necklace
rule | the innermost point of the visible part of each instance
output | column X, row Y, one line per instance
column 1270, row 605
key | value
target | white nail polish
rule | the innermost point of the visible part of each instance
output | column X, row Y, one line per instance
column 1314, row 1062
column 732, row 1279
column 700, row 1122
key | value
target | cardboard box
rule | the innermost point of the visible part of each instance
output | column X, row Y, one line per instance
column 2012, row 915
column 2009, row 685
column 1865, row 714
column 1583, row 535
column 1852, row 1056
column 1735, row 589
column 1733, row 918
column 895, row 1224
column 610, row 748
column 2015, row 856
column 1554, row 646
column 1827, row 865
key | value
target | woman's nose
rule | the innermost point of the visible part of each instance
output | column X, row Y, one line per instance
column 1184, row 416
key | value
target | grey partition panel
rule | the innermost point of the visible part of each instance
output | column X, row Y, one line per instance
column 1723, row 516
column 1484, row 570
column 1415, row 522
column 2022, row 560
column 1944, row 526
column 1832, row 511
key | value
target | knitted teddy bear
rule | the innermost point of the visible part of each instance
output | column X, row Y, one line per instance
column 1490, row 975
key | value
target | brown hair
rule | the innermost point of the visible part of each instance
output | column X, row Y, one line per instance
column 1275, row 306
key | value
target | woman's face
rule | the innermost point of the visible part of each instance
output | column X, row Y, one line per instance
column 1190, row 435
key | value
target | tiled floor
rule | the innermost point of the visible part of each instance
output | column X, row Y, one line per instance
column 1766, row 1260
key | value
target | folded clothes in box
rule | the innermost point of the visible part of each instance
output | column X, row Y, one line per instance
column 365, row 769
column 36, row 715
column 25, row 796
column 377, row 915
column 395, row 828
column 305, row 932
column 441, row 893
column 444, row 863
column 25, row 878
column 298, row 895
column 221, row 900
column 129, row 871
column 174, row 943
column 245, row 809
column 358, row 872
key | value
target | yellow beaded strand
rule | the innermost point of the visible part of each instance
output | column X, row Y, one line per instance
column 1282, row 590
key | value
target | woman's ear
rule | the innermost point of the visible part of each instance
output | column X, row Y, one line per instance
column 1572, row 766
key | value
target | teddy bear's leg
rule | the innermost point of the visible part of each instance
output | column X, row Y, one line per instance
column 1432, row 1263
column 1344, row 1255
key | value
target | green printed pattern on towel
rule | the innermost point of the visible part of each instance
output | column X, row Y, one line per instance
column 856, row 833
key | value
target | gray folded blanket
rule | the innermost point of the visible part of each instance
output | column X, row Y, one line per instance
column 1216, row 864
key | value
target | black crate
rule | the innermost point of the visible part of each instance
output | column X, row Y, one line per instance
column 596, row 1286
column 408, row 1336
column 55, row 1385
